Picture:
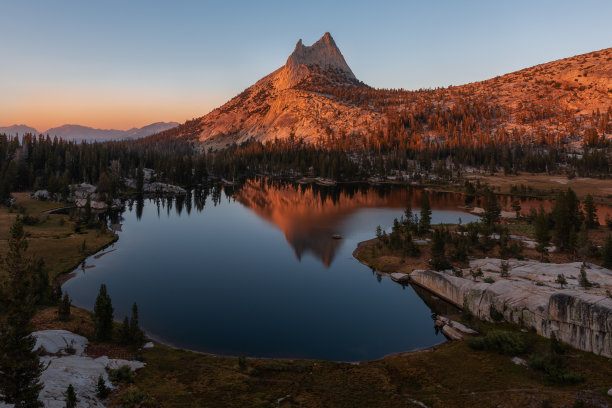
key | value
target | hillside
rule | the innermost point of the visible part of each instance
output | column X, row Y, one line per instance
column 315, row 96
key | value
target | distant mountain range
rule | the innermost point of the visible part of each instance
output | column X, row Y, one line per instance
column 79, row 133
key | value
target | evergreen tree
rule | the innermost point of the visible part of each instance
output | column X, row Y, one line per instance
column 491, row 208
column 583, row 243
column 136, row 334
column 71, row 398
column 561, row 280
column 102, row 391
column 63, row 309
column 590, row 212
column 438, row 259
column 425, row 220
column 410, row 223
column 567, row 220
column 88, row 210
column 124, row 332
column 20, row 367
column 103, row 316
column 542, row 233
column 516, row 207
column 140, row 179
column 607, row 253
column 583, row 280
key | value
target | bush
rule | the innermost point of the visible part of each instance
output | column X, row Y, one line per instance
column 496, row 315
column 30, row 220
column 489, row 280
column 553, row 368
column 502, row 342
column 133, row 397
column 119, row 375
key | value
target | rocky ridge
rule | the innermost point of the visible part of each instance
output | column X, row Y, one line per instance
column 316, row 94
column 531, row 297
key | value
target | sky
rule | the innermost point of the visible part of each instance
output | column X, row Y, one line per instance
column 121, row 64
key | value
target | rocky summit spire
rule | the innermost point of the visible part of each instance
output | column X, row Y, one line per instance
column 323, row 54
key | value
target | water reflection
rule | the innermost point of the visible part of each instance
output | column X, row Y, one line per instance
column 308, row 215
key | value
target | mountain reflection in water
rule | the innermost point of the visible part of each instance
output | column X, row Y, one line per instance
column 309, row 215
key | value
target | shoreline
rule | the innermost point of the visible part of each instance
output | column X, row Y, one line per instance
column 64, row 277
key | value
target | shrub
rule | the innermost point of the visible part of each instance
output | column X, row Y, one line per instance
column 119, row 375
column 30, row 220
column 133, row 397
column 499, row 341
column 495, row 315
column 242, row 362
column 553, row 368
column 489, row 280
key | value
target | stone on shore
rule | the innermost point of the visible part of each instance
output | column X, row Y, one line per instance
column 400, row 277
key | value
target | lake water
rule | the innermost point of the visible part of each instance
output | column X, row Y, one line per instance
column 256, row 271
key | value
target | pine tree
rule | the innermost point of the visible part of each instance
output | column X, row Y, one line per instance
column 561, row 280
column 583, row 244
column 438, row 259
column 63, row 309
column 542, row 234
column 124, row 332
column 20, row 366
column 139, row 179
column 88, row 210
column 583, row 280
column 425, row 220
column 136, row 334
column 491, row 208
column 102, row 391
column 607, row 253
column 516, row 207
column 590, row 212
column 103, row 316
column 71, row 398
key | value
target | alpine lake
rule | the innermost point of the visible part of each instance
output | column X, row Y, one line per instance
column 258, row 270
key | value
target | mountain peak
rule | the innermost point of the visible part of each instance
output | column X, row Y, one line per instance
column 323, row 54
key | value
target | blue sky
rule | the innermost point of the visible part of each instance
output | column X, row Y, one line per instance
column 128, row 63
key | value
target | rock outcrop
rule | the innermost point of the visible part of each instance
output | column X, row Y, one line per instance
column 65, row 363
column 531, row 297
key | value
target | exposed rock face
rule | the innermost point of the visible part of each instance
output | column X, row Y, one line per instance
column 530, row 297
column 324, row 55
column 66, row 363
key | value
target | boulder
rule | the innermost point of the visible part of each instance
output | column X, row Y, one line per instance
column 400, row 277
column 451, row 332
column 41, row 195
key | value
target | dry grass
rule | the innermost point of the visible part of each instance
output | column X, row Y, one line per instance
column 600, row 189
column 451, row 375
column 52, row 239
